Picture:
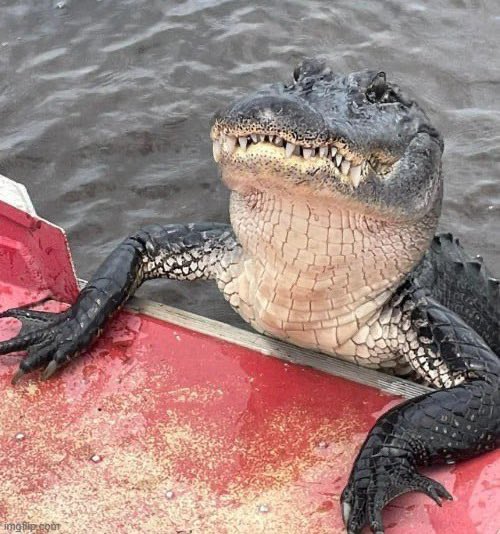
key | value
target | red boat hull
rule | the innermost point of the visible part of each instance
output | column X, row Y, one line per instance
column 162, row 429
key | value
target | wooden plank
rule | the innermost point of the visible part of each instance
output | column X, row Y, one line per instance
column 278, row 349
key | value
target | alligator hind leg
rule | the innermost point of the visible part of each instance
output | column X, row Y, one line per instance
column 182, row 252
column 456, row 422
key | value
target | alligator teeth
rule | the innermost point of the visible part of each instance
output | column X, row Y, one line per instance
column 345, row 166
column 355, row 175
column 230, row 143
column 289, row 148
column 216, row 148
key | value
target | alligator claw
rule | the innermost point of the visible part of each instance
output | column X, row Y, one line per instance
column 49, row 370
column 346, row 512
column 17, row 376
column 365, row 496
column 30, row 320
column 49, row 339
column 433, row 489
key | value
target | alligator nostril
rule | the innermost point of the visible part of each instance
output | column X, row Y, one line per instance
column 296, row 73
column 377, row 88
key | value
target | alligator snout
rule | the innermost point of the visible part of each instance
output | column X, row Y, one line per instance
column 280, row 115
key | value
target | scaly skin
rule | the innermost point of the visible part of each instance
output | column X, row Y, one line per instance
column 336, row 193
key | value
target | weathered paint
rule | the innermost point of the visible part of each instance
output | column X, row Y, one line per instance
column 161, row 429
column 34, row 256
column 225, row 429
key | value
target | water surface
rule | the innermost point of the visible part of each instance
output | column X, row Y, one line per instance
column 105, row 105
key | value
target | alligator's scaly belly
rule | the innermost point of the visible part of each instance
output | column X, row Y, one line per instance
column 318, row 278
column 313, row 313
column 277, row 306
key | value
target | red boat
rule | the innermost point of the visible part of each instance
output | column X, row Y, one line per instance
column 175, row 423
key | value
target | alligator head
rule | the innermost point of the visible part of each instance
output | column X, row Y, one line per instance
column 336, row 192
column 355, row 137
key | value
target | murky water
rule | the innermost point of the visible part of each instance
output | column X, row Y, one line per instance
column 105, row 105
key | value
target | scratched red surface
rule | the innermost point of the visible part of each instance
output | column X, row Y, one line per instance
column 34, row 256
column 161, row 429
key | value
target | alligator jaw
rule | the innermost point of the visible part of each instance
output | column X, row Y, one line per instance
column 346, row 166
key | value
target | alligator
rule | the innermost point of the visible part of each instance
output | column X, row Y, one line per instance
column 336, row 191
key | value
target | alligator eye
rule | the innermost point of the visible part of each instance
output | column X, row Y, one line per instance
column 379, row 91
